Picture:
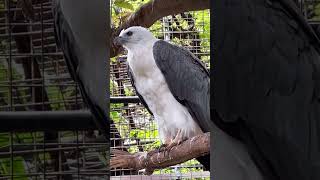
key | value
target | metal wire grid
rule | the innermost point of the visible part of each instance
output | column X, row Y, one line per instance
column 310, row 10
column 134, row 129
column 33, row 72
column 34, row 77
column 73, row 155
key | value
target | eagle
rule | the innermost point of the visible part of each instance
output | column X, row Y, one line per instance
column 80, row 32
column 266, row 88
column 172, row 84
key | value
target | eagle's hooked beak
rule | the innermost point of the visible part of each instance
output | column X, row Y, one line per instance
column 119, row 40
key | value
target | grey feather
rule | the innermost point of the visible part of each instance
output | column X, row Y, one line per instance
column 187, row 78
column 188, row 81
column 80, row 29
column 266, row 83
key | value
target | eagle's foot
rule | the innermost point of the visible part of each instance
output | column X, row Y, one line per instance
column 176, row 141
column 162, row 147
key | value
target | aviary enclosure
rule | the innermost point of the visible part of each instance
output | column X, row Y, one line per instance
column 34, row 77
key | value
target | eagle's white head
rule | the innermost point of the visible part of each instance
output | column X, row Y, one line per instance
column 135, row 37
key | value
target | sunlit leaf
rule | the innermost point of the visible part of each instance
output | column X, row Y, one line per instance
column 124, row 4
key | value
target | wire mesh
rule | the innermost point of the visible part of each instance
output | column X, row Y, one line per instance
column 34, row 77
column 134, row 129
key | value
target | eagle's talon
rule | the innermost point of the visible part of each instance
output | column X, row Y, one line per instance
column 176, row 141
column 161, row 148
column 172, row 144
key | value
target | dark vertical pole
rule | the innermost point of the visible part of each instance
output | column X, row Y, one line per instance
column 107, row 63
column 212, row 52
column 10, row 59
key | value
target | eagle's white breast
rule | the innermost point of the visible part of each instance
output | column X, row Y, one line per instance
column 169, row 114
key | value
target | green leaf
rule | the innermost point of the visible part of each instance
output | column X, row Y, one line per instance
column 124, row 4
column 18, row 167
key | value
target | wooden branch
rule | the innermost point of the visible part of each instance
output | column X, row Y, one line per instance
column 150, row 12
column 157, row 159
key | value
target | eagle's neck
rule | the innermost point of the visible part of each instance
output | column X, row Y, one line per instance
column 141, row 60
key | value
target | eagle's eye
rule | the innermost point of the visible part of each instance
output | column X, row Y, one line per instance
column 129, row 33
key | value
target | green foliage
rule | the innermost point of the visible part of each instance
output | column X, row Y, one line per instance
column 4, row 139
column 121, row 9
column 18, row 167
column 315, row 7
column 54, row 93
column 18, row 162
column 123, row 4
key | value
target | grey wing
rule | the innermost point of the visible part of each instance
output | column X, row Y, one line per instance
column 187, row 78
column 80, row 28
column 266, row 83
column 137, row 92
column 64, row 38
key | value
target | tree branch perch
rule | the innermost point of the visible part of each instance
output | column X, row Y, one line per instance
column 150, row 12
column 155, row 159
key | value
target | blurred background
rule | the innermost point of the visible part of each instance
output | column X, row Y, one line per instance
column 34, row 77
